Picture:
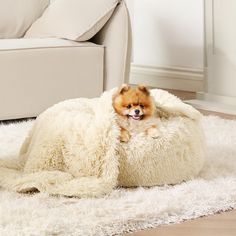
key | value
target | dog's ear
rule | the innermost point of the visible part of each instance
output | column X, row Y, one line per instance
column 144, row 89
column 124, row 88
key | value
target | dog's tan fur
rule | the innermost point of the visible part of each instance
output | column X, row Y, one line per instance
column 128, row 100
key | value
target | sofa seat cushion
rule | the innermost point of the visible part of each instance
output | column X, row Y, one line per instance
column 16, row 16
column 36, row 73
column 35, row 43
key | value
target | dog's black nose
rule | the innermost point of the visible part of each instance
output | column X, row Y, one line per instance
column 137, row 112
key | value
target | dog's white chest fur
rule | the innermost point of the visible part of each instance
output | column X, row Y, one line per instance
column 138, row 126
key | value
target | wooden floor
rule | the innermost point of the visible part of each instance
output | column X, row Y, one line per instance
column 223, row 224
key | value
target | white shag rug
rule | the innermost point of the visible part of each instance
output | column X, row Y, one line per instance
column 125, row 210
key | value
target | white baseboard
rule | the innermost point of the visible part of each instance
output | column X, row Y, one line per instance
column 220, row 99
column 212, row 106
column 168, row 77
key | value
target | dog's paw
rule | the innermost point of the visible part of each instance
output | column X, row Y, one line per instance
column 153, row 133
column 124, row 136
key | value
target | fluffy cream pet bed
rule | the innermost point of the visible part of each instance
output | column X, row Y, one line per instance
column 73, row 149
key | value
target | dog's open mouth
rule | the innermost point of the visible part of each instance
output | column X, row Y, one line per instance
column 136, row 117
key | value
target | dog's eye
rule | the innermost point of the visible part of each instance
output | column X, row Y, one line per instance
column 141, row 105
column 129, row 106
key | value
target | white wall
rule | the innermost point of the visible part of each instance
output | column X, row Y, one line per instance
column 220, row 82
column 168, row 34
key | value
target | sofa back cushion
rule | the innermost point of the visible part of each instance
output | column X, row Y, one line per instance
column 16, row 16
column 77, row 20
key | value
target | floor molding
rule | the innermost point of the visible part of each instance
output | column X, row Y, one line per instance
column 212, row 106
column 188, row 79
column 221, row 99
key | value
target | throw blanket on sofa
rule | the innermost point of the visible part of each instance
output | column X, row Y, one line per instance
column 72, row 149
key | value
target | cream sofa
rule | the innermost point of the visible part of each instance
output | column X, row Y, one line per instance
column 38, row 72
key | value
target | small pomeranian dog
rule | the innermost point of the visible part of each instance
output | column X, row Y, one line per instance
column 136, row 112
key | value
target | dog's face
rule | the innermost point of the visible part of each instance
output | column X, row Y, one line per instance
column 134, row 103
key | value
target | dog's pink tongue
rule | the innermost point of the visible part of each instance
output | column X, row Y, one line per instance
column 136, row 117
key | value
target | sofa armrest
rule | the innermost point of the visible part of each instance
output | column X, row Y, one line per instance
column 116, row 38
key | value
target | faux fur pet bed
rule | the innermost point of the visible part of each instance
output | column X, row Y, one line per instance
column 73, row 149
